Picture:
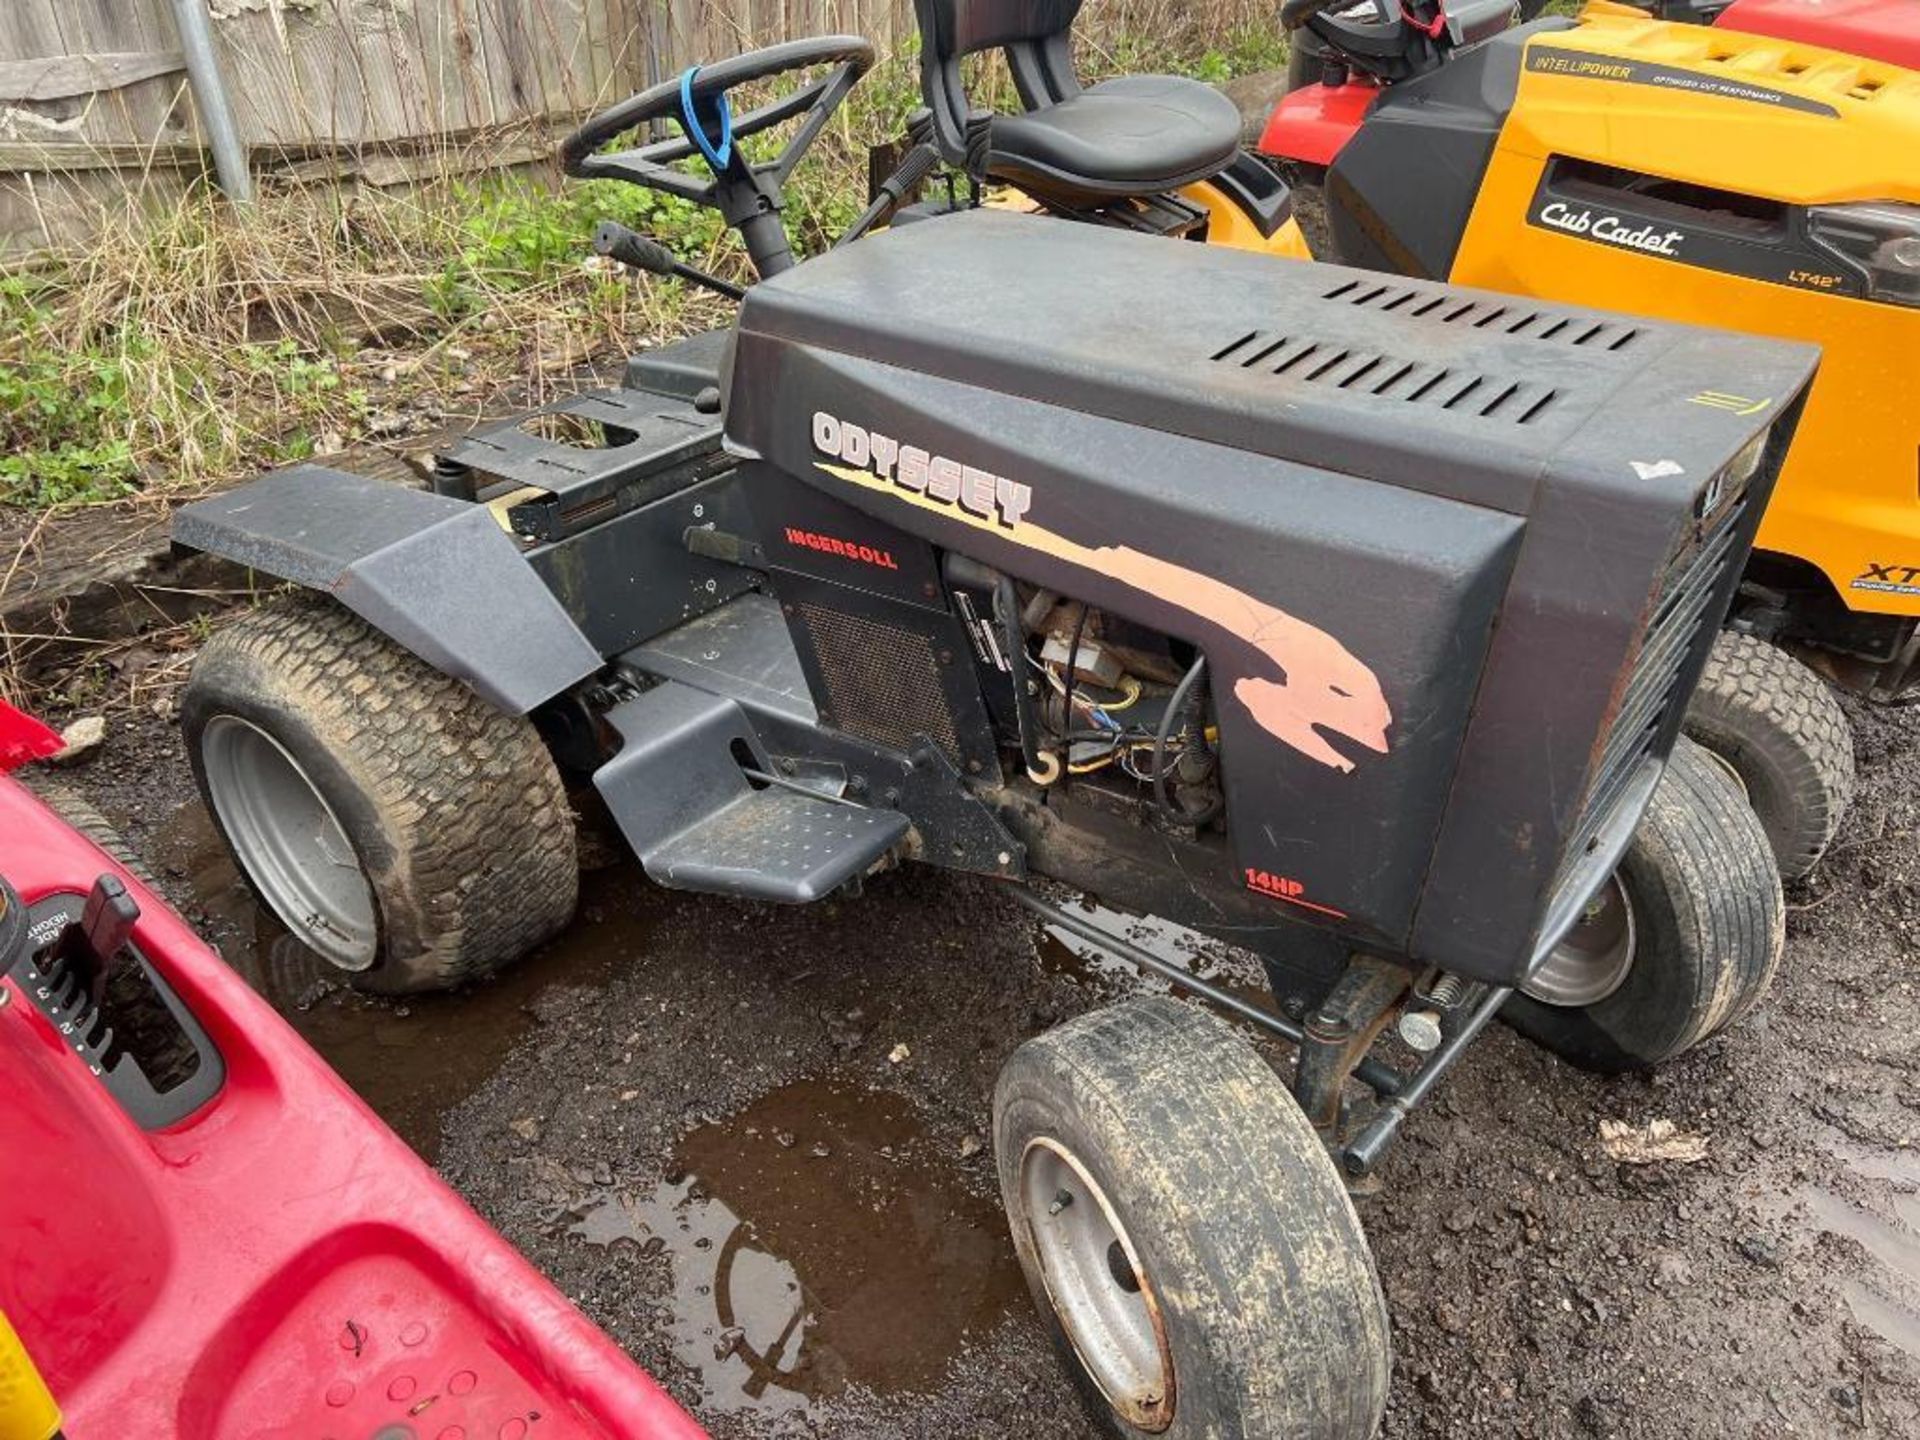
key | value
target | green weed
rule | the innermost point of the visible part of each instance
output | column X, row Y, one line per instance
column 183, row 349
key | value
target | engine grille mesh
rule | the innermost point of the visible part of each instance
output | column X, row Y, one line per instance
column 1676, row 631
column 883, row 683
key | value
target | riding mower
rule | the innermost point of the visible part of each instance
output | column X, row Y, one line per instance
column 1691, row 174
column 1879, row 29
column 203, row 1233
column 1287, row 603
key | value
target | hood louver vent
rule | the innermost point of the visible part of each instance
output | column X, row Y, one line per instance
column 1459, row 389
column 1521, row 321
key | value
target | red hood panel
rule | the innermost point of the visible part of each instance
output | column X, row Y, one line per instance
column 1886, row 30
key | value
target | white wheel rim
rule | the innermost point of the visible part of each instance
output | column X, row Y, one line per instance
column 1595, row 958
column 1098, row 1288
column 290, row 843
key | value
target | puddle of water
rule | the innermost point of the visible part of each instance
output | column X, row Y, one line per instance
column 1895, row 1167
column 817, row 1241
column 411, row 1060
column 1895, row 1245
column 1894, row 1322
column 1084, row 962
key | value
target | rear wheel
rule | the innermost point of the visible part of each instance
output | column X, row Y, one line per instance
column 408, row 832
column 1779, row 728
column 1682, row 942
column 1187, row 1240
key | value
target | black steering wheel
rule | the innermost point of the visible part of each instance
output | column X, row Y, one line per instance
column 697, row 101
column 747, row 195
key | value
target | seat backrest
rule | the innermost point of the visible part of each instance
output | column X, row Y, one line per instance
column 1038, row 38
column 952, row 28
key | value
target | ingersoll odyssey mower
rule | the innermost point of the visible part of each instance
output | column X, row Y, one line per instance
column 1695, row 174
column 1013, row 545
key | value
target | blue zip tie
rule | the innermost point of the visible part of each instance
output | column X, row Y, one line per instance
column 718, row 156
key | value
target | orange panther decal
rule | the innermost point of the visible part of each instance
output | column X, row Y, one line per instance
column 1326, row 686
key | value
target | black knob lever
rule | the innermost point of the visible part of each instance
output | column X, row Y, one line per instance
column 617, row 242
column 85, row 949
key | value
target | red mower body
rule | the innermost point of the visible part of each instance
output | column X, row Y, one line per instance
column 1313, row 124
column 23, row 738
column 1877, row 29
column 273, row 1263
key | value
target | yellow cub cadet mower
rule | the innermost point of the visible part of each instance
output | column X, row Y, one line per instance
column 1640, row 165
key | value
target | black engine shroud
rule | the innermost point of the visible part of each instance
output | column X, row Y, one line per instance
column 1452, row 607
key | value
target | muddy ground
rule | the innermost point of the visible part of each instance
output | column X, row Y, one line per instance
column 749, row 1143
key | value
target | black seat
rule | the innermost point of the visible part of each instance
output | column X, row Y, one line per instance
column 1131, row 137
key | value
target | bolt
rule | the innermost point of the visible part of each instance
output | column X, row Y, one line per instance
column 787, row 767
column 1005, row 859
column 929, row 589
column 1421, row 1030
column 1329, row 1026
column 946, row 657
column 699, row 512
column 1060, row 1202
column 974, row 767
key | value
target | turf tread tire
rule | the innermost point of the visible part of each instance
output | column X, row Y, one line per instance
column 1780, row 727
column 455, row 808
column 1711, row 924
column 80, row 815
column 1274, row 1307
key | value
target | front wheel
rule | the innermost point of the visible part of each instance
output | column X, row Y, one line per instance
column 405, row 830
column 1778, row 727
column 1682, row 942
column 1188, row 1242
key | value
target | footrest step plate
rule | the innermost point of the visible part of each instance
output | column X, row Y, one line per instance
column 777, row 845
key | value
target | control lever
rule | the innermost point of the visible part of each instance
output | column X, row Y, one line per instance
column 85, row 948
column 896, row 190
column 617, row 242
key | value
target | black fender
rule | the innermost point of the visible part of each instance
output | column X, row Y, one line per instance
column 438, row 576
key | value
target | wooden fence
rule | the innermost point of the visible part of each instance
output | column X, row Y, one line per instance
column 95, row 104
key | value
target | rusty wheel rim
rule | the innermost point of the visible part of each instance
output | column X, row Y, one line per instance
column 1102, row 1294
